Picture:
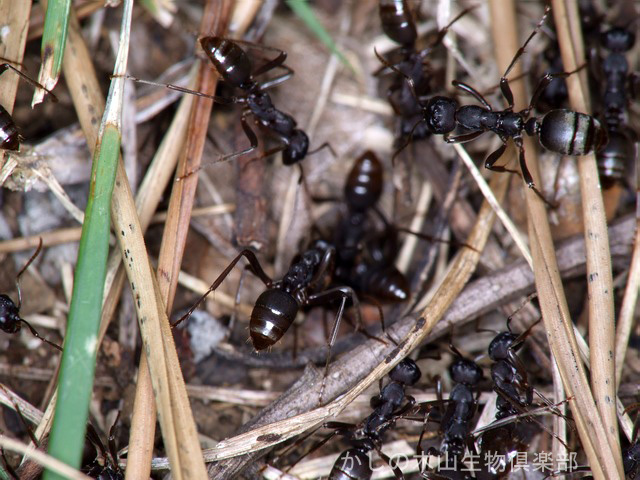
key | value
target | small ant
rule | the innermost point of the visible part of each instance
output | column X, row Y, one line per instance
column 234, row 66
column 354, row 463
column 10, row 137
column 613, row 158
column 561, row 131
column 10, row 321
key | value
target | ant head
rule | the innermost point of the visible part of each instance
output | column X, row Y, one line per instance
column 296, row 149
column 406, row 372
column 9, row 315
column 440, row 114
column 618, row 39
column 231, row 62
column 501, row 345
column 465, row 371
column 363, row 187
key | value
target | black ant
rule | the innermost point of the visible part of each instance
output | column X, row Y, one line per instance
column 561, row 131
column 354, row 463
column 104, row 465
column 613, row 158
column 10, row 137
column 305, row 284
column 234, row 66
column 365, row 260
column 10, row 321
column 455, row 419
column 398, row 23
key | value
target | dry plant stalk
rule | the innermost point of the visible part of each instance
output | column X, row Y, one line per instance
column 549, row 284
column 15, row 16
column 600, row 278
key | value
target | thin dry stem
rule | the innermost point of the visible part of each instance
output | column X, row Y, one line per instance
column 599, row 277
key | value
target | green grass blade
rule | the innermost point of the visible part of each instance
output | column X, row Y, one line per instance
column 75, row 382
column 54, row 39
column 301, row 9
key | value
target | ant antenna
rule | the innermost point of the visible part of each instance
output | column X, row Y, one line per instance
column 24, row 268
column 26, row 78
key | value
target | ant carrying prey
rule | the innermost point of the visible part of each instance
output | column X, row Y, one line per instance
column 561, row 131
column 234, row 66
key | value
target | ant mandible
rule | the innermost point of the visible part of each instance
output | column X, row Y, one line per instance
column 10, row 321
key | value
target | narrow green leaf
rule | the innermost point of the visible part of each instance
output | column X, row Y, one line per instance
column 301, row 9
column 54, row 39
column 75, row 381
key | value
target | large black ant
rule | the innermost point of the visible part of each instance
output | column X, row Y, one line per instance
column 10, row 321
column 354, row 463
column 561, row 131
column 365, row 259
column 10, row 137
column 455, row 419
column 305, row 284
column 613, row 158
column 398, row 23
column 234, row 66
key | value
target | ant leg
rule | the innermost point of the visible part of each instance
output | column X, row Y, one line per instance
column 338, row 430
column 465, row 137
column 406, row 144
column 253, row 144
column 494, row 157
column 409, row 80
column 29, row 80
column 544, row 83
column 397, row 472
column 326, row 265
column 504, row 82
column 471, row 91
column 37, row 335
column 324, row 145
column 288, row 73
column 24, row 268
column 324, row 297
column 528, row 179
column 522, row 49
column 443, row 31
column 255, row 268
column 234, row 314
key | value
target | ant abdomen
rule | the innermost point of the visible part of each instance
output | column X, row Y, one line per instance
column 9, row 134
column 397, row 21
column 352, row 464
column 273, row 313
column 363, row 187
column 230, row 60
column 388, row 284
column 9, row 315
column 570, row 133
column 613, row 158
